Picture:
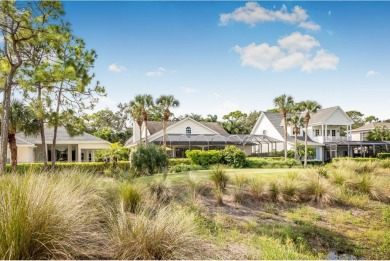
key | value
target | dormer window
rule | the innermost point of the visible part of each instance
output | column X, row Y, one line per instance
column 188, row 131
column 264, row 132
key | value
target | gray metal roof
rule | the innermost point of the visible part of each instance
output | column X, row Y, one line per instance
column 62, row 136
column 322, row 115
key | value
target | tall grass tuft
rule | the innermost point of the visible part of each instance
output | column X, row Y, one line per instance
column 318, row 190
column 195, row 186
column 259, row 189
column 369, row 185
column 50, row 217
column 166, row 233
column 159, row 188
column 289, row 189
column 240, row 183
column 130, row 196
column 219, row 177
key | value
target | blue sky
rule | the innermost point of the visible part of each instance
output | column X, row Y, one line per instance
column 216, row 57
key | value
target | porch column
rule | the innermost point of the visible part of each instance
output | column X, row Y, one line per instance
column 69, row 153
column 326, row 133
column 348, row 151
column 322, row 130
column 78, row 153
column 373, row 149
column 173, row 152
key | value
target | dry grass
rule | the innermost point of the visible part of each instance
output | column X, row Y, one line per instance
column 50, row 217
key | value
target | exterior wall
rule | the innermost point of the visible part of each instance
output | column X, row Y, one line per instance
column 265, row 124
column 135, row 133
column 338, row 118
column 196, row 128
column 25, row 154
column 359, row 136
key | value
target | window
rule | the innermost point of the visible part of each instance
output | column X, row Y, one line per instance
column 264, row 132
column 317, row 132
column 328, row 133
column 188, row 130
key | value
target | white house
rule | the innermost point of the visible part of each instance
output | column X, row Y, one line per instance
column 190, row 134
column 360, row 134
column 324, row 131
column 79, row 148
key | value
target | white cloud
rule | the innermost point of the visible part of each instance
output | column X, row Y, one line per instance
column 157, row 73
column 293, row 51
column 253, row 13
column 216, row 94
column 116, row 68
column 329, row 12
column 298, row 42
column 371, row 73
column 188, row 89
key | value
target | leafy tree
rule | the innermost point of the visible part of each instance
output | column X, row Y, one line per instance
column 296, row 121
column 165, row 103
column 273, row 110
column 371, row 118
column 113, row 154
column 193, row 116
column 308, row 107
column 235, row 122
column 135, row 111
column 379, row 133
column 20, row 23
column 21, row 119
column 284, row 104
column 211, row 118
column 388, row 120
column 251, row 121
column 357, row 118
column 311, row 151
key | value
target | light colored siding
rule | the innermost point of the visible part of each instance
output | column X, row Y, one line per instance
column 338, row 118
column 25, row 154
column 265, row 124
column 196, row 128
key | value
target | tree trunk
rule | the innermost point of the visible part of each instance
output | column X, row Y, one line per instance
column 4, row 119
column 42, row 130
column 146, row 132
column 296, row 146
column 14, row 150
column 285, row 135
column 305, row 162
column 53, row 149
column 140, row 134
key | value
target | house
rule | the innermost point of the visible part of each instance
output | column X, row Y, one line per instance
column 324, row 133
column 360, row 134
column 79, row 148
column 189, row 134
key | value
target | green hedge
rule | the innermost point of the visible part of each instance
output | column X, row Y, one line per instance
column 204, row 157
column 183, row 167
column 277, row 162
column 179, row 161
column 234, row 157
column 354, row 159
column 93, row 167
column 383, row 155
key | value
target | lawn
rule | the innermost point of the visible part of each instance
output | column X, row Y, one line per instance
column 180, row 178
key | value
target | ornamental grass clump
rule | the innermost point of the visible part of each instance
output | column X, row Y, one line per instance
column 240, row 183
column 220, row 179
column 130, row 196
column 51, row 217
column 259, row 189
column 318, row 190
column 165, row 233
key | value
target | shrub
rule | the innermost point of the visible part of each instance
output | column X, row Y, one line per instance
column 50, row 217
column 130, row 196
column 317, row 189
column 167, row 233
column 178, row 161
column 148, row 160
column 234, row 157
column 383, row 155
column 277, row 162
column 384, row 164
column 183, row 168
column 204, row 157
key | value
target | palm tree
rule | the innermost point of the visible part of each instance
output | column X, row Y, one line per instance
column 296, row 121
column 309, row 107
column 165, row 102
column 380, row 133
column 21, row 119
column 144, row 103
column 136, row 113
column 284, row 104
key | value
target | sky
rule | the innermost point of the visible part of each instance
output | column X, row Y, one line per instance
column 217, row 57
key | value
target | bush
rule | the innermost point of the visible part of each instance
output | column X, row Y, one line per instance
column 277, row 162
column 166, row 233
column 178, row 161
column 90, row 167
column 317, row 189
column 183, row 168
column 383, row 155
column 51, row 217
column 148, row 160
column 234, row 157
column 204, row 157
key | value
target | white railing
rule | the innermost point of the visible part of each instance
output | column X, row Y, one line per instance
column 322, row 139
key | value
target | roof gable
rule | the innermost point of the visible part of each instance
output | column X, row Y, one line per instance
column 371, row 126
column 333, row 115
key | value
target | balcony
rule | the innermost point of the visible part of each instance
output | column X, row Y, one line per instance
column 322, row 139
